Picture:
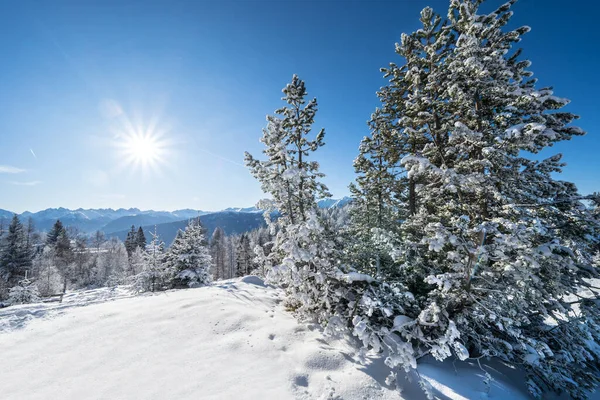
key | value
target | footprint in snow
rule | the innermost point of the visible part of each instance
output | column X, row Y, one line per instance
column 301, row 380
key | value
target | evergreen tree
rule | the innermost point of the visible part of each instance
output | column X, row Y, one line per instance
column 30, row 232
column 492, row 245
column 154, row 265
column 54, row 233
column 231, row 256
column 414, row 104
column 140, row 239
column 137, row 262
column 64, row 257
column 244, row 263
column 375, row 207
column 48, row 279
column 301, row 258
column 81, row 258
column 217, row 251
column 261, row 244
column 16, row 256
column 287, row 149
column 189, row 258
column 131, row 241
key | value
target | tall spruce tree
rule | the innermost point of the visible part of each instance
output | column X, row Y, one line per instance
column 301, row 257
column 288, row 148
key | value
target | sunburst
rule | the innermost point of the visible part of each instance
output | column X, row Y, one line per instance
column 144, row 150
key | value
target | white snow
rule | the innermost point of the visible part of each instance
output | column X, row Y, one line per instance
column 231, row 340
column 356, row 277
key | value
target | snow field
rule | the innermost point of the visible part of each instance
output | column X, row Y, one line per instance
column 232, row 340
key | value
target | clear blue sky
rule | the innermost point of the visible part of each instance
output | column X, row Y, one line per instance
column 205, row 74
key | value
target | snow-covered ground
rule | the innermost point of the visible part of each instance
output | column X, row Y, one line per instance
column 232, row 340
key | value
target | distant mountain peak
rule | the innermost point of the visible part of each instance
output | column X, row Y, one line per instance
column 333, row 203
column 110, row 220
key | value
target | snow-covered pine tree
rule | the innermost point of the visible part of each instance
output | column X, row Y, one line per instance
column 189, row 257
column 81, row 258
column 154, row 265
column 31, row 234
column 374, row 211
column 48, row 279
column 63, row 257
column 261, row 243
column 112, row 263
column 137, row 261
column 218, row 252
column 245, row 255
column 131, row 241
column 15, row 255
column 287, row 149
column 413, row 107
column 230, row 256
column 495, row 251
column 301, row 259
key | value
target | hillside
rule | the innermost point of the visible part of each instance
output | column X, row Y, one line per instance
column 230, row 222
column 232, row 340
column 125, row 223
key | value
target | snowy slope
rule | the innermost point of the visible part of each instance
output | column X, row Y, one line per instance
column 232, row 340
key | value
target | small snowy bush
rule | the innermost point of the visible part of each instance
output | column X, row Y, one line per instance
column 25, row 292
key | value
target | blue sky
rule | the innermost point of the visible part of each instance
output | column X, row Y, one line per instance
column 76, row 76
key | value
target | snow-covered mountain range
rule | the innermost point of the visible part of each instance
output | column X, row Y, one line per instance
column 110, row 220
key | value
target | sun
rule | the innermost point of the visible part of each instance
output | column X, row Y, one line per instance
column 143, row 143
column 142, row 149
